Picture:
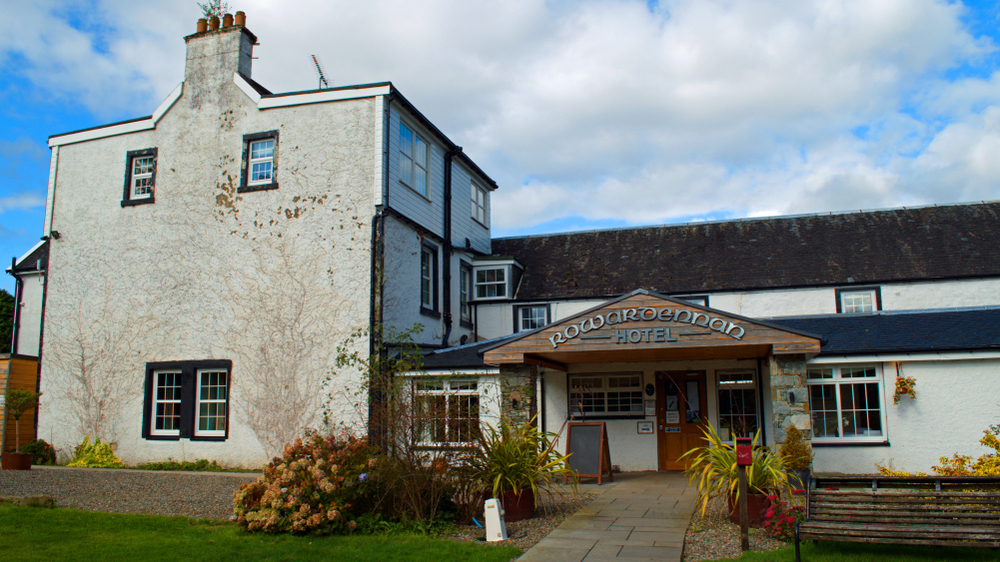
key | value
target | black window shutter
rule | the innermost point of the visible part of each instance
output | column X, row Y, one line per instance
column 147, row 406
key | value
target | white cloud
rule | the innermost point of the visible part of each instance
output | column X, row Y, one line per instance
column 21, row 202
column 601, row 108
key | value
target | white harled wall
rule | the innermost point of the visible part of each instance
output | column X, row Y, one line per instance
column 956, row 401
column 495, row 319
column 30, row 312
column 271, row 280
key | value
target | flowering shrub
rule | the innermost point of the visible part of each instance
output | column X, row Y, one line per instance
column 963, row 465
column 42, row 452
column 95, row 455
column 780, row 518
column 316, row 486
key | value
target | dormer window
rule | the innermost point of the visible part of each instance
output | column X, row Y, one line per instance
column 495, row 279
column 491, row 283
column 859, row 301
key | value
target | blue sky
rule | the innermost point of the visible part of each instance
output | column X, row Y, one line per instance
column 589, row 113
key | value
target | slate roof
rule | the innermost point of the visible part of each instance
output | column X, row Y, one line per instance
column 37, row 259
column 903, row 332
column 844, row 334
column 468, row 355
column 925, row 243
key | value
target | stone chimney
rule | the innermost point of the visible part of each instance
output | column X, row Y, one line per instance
column 215, row 52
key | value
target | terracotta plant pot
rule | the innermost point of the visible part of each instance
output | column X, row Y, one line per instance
column 517, row 507
column 757, row 505
column 16, row 461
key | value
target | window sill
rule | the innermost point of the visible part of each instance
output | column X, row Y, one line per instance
column 607, row 418
column 423, row 196
column 465, row 324
column 457, row 446
column 883, row 443
column 260, row 187
column 134, row 202
column 428, row 312
column 163, row 437
column 178, row 438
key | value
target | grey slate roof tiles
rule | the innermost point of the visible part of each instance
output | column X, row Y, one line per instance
column 926, row 243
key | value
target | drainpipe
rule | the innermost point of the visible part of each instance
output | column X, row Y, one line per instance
column 376, row 309
column 17, row 306
column 448, row 248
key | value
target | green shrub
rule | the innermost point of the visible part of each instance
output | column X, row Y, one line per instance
column 42, row 452
column 795, row 452
column 200, row 465
column 314, row 487
column 95, row 455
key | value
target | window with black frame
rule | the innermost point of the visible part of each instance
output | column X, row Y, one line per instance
column 738, row 408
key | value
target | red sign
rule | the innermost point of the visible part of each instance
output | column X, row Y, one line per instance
column 744, row 451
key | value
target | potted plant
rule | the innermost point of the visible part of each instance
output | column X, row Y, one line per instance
column 514, row 461
column 18, row 401
column 714, row 472
column 905, row 386
column 797, row 456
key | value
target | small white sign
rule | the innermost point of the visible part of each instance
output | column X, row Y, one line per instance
column 673, row 417
column 644, row 427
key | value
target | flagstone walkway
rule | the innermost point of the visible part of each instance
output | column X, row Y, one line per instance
column 640, row 516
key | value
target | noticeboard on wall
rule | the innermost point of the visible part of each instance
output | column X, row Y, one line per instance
column 589, row 455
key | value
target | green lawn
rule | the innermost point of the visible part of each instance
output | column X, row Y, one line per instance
column 852, row 552
column 28, row 534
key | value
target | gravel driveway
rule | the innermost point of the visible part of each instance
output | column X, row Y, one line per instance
column 203, row 495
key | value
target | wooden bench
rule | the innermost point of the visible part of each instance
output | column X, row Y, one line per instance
column 932, row 511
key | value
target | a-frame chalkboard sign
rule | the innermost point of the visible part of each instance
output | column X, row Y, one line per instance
column 588, row 444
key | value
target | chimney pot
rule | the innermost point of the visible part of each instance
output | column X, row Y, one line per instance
column 213, row 24
column 227, row 21
column 241, row 19
column 202, row 25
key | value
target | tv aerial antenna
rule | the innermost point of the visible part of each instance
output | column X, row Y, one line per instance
column 319, row 71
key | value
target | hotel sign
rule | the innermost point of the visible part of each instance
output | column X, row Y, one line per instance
column 619, row 330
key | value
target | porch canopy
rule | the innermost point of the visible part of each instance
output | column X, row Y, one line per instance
column 645, row 326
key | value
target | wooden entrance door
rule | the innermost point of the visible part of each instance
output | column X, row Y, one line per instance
column 680, row 415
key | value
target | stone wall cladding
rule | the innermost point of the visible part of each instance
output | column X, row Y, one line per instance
column 517, row 393
column 788, row 374
column 272, row 280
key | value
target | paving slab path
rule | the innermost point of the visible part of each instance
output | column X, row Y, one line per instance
column 641, row 516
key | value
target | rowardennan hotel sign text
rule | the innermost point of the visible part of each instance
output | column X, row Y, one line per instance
column 627, row 335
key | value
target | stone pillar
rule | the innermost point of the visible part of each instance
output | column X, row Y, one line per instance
column 788, row 375
column 517, row 393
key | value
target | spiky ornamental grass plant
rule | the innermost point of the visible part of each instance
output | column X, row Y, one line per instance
column 514, row 457
column 713, row 468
